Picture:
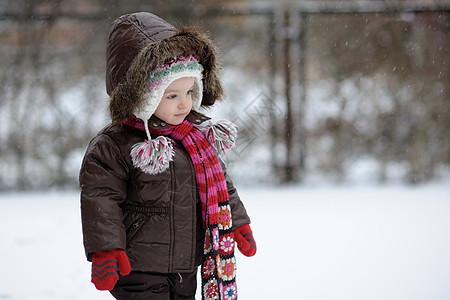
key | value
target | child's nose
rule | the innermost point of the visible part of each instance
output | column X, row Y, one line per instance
column 183, row 102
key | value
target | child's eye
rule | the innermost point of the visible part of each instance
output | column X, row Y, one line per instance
column 173, row 96
column 190, row 92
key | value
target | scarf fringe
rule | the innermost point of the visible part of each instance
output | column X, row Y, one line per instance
column 154, row 157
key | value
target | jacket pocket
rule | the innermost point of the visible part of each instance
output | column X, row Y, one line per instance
column 138, row 216
column 150, row 257
column 133, row 225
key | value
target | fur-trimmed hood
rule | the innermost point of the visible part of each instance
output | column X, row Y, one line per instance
column 138, row 43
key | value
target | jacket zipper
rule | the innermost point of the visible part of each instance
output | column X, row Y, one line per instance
column 194, row 218
column 172, row 217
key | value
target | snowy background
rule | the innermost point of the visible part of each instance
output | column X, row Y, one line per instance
column 376, row 110
column 315, row 242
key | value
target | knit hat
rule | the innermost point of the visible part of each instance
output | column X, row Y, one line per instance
column 139, row 44
column 162, row 76
column 154, row 155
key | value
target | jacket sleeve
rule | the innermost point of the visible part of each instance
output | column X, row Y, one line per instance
column 238, row 211
column 103, row 185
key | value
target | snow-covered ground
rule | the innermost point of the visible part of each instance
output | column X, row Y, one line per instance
column 314, row 243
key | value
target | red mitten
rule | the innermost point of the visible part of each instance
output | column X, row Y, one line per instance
column 106, row 266
column 245, row 241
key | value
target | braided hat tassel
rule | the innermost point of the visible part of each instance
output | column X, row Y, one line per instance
column 152, row 156
column 222, row 135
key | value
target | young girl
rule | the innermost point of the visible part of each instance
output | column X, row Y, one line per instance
column 156, row 202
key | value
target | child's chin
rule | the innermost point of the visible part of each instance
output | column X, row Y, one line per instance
column 175, row 122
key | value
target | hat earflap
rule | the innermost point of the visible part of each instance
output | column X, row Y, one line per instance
column 153, row 156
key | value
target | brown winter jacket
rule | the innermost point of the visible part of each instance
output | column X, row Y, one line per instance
column 155, row 218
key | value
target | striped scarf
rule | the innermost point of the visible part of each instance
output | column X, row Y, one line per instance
column 218, row 261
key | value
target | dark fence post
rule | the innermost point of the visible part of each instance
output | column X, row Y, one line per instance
column 302, row 94
column 289, row 167
column 273, row 72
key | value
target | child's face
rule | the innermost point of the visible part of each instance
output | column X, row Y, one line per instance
column 176, row 102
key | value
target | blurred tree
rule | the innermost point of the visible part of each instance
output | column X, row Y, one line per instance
column 404, row 55
column 45, row 53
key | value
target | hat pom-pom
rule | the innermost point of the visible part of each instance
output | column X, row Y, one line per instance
column 152, row 157
column 221, row 135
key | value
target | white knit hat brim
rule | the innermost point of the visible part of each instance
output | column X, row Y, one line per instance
column 153, row 98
